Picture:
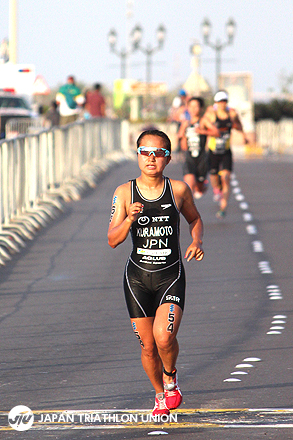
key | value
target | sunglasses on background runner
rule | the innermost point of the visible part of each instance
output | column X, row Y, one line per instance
column 158, row 152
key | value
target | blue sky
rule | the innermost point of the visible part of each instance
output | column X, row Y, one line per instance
column 70, row 37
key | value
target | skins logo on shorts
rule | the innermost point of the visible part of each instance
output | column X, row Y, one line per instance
column 144, row 220
column 172, row 298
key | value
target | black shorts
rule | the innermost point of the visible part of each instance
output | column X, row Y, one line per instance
column 145, row 291
column 198, row 166
column 219, row 162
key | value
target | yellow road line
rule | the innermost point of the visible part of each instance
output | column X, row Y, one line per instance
column 200, row 418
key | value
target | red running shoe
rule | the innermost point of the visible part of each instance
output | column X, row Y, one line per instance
column 160, row 405
column 173, row 395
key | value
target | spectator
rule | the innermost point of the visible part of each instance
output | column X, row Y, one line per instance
column 178, row 111
column 95, row 102
column 66, row 98
column 53, row 115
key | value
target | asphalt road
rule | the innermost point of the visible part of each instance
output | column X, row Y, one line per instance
column 67, row 344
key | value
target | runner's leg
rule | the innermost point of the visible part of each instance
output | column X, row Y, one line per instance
column 165, row 329
column 191, row 181
column 215, row 182
column 151, row 362
column 225, row 180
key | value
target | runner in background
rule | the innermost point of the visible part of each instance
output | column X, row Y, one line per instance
column 223, row 118
column 193, row 136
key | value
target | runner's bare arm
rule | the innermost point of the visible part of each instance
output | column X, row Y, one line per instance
column 207, row 125
column 182, row 129
column 182, row 138
column 123, row 214
column 236, row 123
column 185, row 203
column 207, row 128
column 195, row 249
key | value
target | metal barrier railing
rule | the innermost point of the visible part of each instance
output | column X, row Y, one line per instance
column 16, row 126
column 40, row 172
column 275, row 137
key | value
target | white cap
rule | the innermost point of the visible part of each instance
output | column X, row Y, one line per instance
column 221, row 96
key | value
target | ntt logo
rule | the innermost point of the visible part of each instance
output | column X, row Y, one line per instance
column 21, row 418
column 144, row 220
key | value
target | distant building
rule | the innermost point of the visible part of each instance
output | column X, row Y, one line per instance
column 196, row 85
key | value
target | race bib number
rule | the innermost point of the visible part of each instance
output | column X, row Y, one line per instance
column 193, row 141
column 222, row 143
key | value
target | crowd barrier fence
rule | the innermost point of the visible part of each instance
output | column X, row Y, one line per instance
column 275, row 137
column 40, row 172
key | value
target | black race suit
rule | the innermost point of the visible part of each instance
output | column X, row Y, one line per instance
column 195, row 157
column 220, row 155
column 154, row 273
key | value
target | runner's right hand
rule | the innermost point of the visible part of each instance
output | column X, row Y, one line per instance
column 133, row 211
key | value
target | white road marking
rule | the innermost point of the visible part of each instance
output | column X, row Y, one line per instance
column 273, row 290
column 232, row 379
column 243, row 206
column 244, row 366
column 257, row 246
column 247, row 217
column 264, row 267
column 251, row 229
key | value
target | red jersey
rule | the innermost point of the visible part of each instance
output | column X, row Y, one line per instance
column 95, row 104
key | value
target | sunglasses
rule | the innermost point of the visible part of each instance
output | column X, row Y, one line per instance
column 158, row 152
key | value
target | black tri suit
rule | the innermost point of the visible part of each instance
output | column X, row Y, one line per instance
column 154, row 273
column 220, row 155
column 195, row 157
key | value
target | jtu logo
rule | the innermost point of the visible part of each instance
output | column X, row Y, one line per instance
column 21, row 418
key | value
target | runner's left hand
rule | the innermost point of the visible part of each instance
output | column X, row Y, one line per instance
column 194, row 251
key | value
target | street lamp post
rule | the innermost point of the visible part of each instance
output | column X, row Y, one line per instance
column 123, row 53
column 149, row 50
column 218, row 46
